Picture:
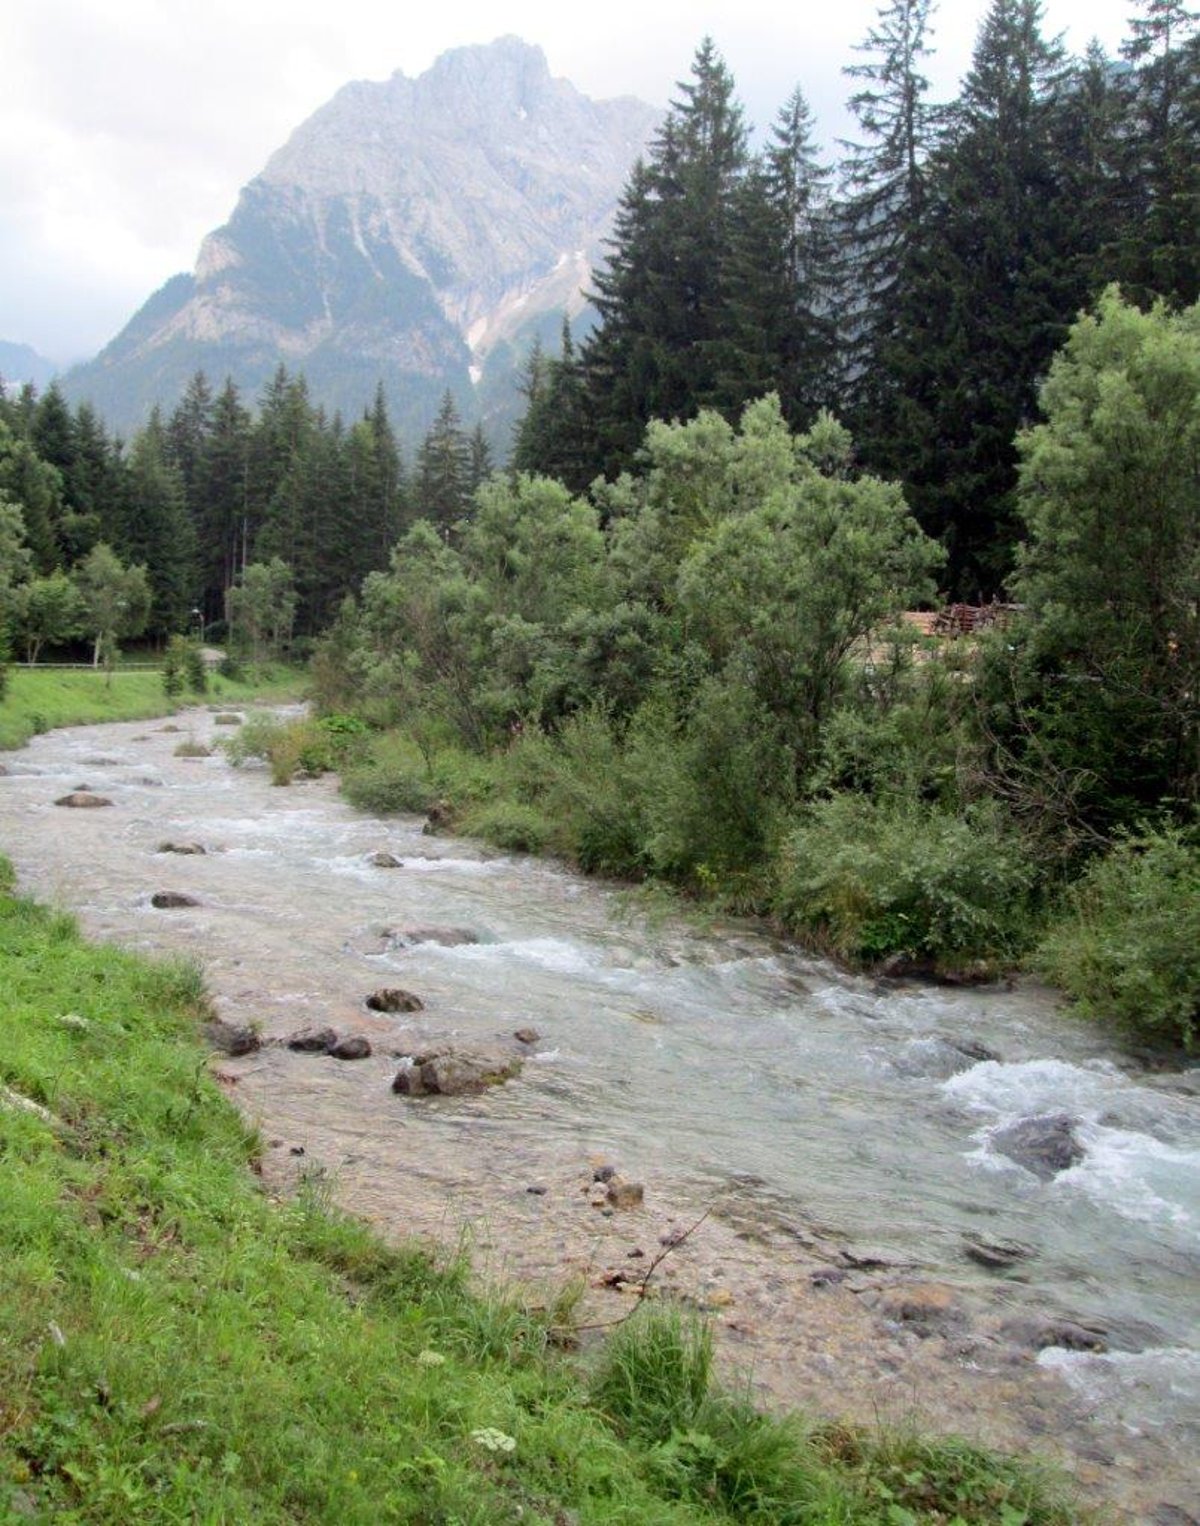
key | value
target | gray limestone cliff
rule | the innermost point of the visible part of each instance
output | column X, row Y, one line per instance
column 416, row 232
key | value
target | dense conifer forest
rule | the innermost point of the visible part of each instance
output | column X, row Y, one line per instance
column 669, row 639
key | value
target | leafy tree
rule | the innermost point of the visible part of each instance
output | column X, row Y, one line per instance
column 47, row 612
column 1109, row 662
column 262, row 607
column 115, row 602
column 782, row 590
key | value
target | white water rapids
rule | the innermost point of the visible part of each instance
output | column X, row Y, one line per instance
column 813, row 1112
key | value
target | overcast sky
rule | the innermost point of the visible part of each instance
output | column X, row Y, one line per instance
column 127, row 127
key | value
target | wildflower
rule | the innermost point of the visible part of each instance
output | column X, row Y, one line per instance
column 431, row 1359
column 494, row 1440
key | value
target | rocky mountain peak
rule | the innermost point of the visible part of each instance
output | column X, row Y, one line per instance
column 410, row 231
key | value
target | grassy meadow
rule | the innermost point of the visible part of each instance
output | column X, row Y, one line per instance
column 39, row 699
column 175, row 1346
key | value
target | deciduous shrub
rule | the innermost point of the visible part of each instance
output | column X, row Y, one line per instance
column 1125, row 946
column 869, row 879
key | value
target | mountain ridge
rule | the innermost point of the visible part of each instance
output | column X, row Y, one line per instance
column 417, row 232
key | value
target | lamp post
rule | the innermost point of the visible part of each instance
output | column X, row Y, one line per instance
column 198, row 617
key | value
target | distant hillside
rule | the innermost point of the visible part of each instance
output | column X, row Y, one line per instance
column 418, row 232
column 21, row 363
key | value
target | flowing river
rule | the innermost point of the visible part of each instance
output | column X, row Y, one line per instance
column 835, row 1137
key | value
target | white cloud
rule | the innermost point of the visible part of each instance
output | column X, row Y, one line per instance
column 127, row 127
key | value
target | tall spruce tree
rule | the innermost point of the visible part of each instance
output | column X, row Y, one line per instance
column 665, row 298
column 158, row 533
column 1161, row 255
column 441, row 488
column 783, row 275
column 883, row 200
column 993, row 291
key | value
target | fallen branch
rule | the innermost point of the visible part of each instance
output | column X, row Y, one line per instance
column 642, row 1287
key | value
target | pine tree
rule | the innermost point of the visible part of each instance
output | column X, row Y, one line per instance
column 884, row 193
column 442, row 482
column 158, row 532
column 666, row 323
column 783, row 275
column 1162, row 247
column 993, row 290
column 223, row 499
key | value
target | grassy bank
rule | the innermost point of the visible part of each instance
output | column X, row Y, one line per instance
column 38, row 699
column 176, row 1347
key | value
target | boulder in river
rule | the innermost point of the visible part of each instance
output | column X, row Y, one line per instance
column 926, row 1308
column 355, row 1046
column 233, row 1039
column 393, row 999
column 1039, row 1332
column 182, row 847
column 625, row 1194
column 82, row 800
column 457, row 1072
column 312, row 1040
column 528, row 1036
column 1045, row 1144
column 996, row 1255
column 447, row 937
column 382, row 860
column 172, row 900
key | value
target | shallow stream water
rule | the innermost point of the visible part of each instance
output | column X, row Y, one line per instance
column 821, row 1121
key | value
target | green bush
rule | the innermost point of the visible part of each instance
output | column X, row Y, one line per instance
column 1125, row 946
column 510, row 825
column 388, row 791
column 868, row 879
column 289, row 747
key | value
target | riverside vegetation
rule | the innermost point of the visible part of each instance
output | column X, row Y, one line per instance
column 700, row 674
column 176, row 1346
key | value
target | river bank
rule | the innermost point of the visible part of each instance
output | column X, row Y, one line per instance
column 836, row 1275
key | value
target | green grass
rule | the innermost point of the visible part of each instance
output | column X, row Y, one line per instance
column 174, row 1347
column 39, row 699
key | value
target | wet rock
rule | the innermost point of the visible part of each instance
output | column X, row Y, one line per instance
column 312, row 1040
column 232, row 1039
column 368, row 944
column 1038, row 1333
column 170, row 730
column 536, row 1191
column 623, row 1194
column 827, row 1276
column 225, row 719
column 438, row 819
column 383, row 860
column 996, row 1255
column 603, row 1173
column 527, row 1036
column 975, row 1051
column 393, row 999
column 457, row 1072
column 83, row 800
column 172, row 900
column 355, row 1046
column 872, row 1258
column 926, row 1308
column 182, row 847
column 447, row 937
column 1045, row 1144
column 1167, row 1514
